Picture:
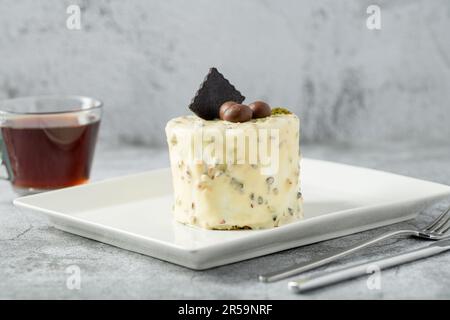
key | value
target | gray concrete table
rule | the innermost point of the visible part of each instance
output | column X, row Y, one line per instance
column 34, row 255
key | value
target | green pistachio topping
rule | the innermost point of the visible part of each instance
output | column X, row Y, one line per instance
column 280, row 111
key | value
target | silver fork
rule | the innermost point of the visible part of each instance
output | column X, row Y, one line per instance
column 437, row 230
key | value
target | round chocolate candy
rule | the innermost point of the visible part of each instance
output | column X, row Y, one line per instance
column 237, row 113
column 224, row 107
column 260, row 109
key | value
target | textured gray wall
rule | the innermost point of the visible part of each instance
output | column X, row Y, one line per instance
column 145, row 59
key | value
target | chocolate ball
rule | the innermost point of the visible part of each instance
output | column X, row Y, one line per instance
column 260, row 109
column 224, row 107
column 237, row 113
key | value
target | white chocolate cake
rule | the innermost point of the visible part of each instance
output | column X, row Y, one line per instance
column 253, row 185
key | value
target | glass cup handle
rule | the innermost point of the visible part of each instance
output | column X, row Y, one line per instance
column 3, row 175
column 3, row 168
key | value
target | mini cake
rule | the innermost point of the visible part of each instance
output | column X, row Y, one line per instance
column 234, row 166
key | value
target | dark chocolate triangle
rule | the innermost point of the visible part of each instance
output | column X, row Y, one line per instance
column 213, row 92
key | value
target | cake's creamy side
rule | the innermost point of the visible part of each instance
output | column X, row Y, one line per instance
column 232, row 195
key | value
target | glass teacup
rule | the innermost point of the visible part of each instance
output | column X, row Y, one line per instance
column 48, row 142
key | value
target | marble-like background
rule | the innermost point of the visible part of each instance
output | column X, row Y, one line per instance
column 145, row 59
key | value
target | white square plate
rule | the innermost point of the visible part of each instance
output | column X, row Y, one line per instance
column 134, row 213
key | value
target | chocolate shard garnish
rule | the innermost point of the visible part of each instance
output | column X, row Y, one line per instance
column 213, row 92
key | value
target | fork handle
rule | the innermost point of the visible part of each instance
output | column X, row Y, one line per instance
column 321, row 261
column 325, row 278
